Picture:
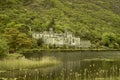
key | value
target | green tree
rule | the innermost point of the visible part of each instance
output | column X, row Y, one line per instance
column 109, row 40
column 3, row 47
column 16, row 39
column 23, row 41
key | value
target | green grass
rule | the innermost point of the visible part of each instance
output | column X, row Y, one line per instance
column 22, row 63
column 14, row 56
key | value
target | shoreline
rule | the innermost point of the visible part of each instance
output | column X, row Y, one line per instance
column 67, row 50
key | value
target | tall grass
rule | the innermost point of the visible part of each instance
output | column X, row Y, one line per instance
column 22, row 63
column 63, row 73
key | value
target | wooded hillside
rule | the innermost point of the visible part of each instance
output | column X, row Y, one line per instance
column 95, row 20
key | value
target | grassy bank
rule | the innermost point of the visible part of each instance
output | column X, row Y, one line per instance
column 22, row 63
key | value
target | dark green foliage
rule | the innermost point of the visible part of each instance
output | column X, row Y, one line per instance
column 3, row 48
column 40, row 42
column 88, row 19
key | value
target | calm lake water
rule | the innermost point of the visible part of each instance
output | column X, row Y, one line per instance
column 80, row 65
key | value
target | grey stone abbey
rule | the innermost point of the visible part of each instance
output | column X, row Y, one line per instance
column 61, row 39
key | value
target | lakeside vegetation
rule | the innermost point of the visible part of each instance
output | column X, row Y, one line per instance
column 72, row 70
column 19, row 62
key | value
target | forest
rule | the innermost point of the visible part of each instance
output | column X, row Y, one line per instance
column 94, row 20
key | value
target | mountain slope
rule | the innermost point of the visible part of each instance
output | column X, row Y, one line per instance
column 89, row 19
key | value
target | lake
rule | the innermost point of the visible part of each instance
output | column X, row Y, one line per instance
column 78, row 65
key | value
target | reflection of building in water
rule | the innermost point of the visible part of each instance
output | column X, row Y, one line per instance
column 60, row 39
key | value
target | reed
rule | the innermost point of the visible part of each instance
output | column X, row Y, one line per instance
column 70, row 74
column 23, row 63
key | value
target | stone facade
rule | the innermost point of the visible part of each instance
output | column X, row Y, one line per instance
column 60, row 39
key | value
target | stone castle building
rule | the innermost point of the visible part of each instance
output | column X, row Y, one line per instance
column 60, row 39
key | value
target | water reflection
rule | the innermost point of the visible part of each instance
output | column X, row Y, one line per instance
column 77, row 66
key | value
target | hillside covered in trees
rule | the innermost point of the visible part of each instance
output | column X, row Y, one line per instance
column 94, row 20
